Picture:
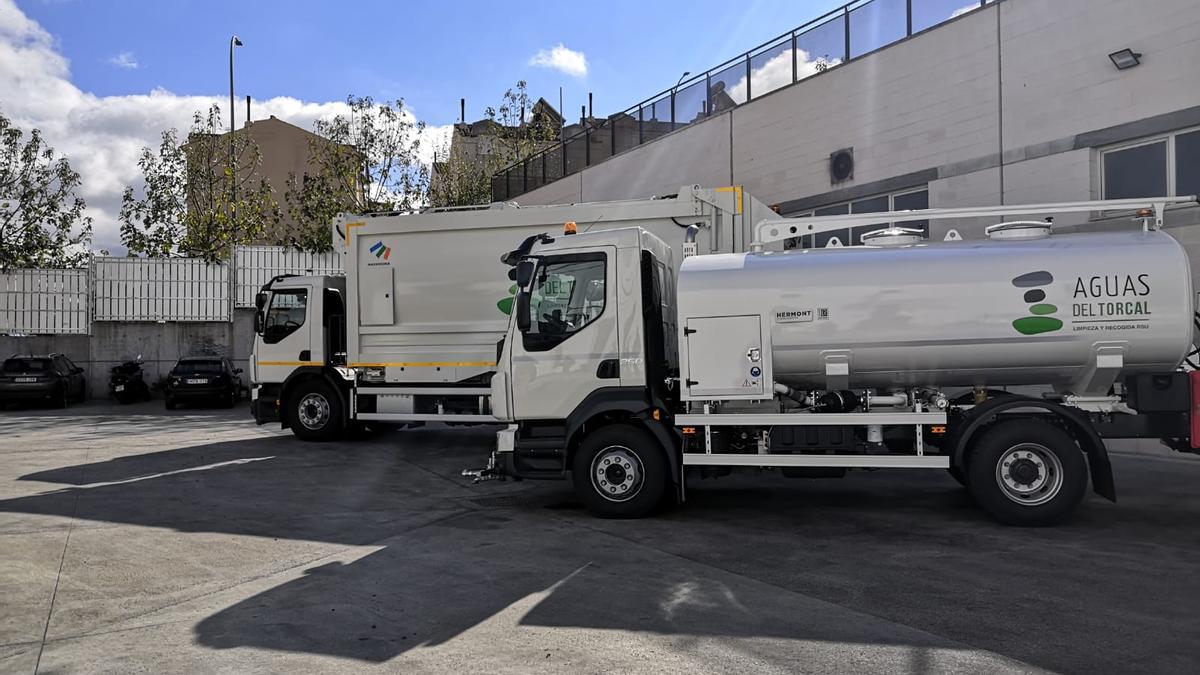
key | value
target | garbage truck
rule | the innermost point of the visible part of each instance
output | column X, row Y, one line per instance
column 1007, row 361
column 409, row 333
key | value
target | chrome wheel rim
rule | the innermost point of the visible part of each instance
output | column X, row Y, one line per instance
column 313, row 411
column 617, row 473
column 1029, row 474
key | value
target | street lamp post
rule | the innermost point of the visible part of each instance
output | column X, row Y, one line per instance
column 685, row 74
column 233, row 42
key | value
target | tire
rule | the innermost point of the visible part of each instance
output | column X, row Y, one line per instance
column 1053, row 474
column 232, row 399
column 623, row 453
column 169, row 403
column 315, row 412
column 62, row 398
column 957, row 474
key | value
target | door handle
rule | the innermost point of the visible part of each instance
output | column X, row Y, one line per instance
column 306, row 355
column 609, row 369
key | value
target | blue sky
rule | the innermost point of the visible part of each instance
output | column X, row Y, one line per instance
column 430, row 53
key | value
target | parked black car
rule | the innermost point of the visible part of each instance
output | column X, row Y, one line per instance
column 203, row 380
column 49, row 378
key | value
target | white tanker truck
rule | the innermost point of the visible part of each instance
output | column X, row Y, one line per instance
column 626, row 377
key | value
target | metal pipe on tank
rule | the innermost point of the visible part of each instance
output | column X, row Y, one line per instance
column 893, row 400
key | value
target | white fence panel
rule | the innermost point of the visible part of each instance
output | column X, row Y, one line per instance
column 44, row 301
column 161, row 289
column 256, row 265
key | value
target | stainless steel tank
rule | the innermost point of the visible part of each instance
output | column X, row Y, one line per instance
column 1025, row 308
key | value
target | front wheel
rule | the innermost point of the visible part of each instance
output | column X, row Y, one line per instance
column 316, row 412
column 1027, row 472
column 620, row 471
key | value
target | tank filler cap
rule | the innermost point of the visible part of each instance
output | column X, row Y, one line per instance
column 893, row 236
column 1019, row 229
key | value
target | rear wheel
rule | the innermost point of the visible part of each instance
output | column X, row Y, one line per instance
column 1027, row 472
column 620, row 471
column 316, row 412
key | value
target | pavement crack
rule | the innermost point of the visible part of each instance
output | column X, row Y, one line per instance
column 61, row 561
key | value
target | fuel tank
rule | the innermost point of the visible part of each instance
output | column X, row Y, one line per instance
column 1068, row 310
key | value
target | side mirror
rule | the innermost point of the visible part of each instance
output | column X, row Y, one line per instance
column 525, row 272
column 236, row 371
column 260, row 300
column 258, row 322
column 522, row 311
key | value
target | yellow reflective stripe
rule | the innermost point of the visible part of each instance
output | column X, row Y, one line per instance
column 290, row 363
column 737, row 191
column 425, row 364
column 348, row 226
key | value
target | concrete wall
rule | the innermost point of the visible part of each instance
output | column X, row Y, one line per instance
column 160, row 344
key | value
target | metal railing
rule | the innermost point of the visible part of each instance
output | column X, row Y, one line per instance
column 836, row 37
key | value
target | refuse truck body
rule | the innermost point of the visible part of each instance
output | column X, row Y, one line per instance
column 409, row 334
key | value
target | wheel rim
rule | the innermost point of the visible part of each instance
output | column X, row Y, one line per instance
column 1029, row 474
column 313, row 411
column 617, row 473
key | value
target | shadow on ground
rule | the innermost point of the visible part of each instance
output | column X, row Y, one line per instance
column 882, row 559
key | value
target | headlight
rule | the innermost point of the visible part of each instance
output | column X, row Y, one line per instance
column 371, row 374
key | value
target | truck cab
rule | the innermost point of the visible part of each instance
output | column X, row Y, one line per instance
column 300, row 336
column 591, row 344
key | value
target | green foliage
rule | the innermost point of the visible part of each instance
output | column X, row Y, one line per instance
column 464, row 170
column 41, row 218
column 199, row 198
column 368, row 160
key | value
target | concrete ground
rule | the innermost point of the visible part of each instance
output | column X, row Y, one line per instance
column 132, row 539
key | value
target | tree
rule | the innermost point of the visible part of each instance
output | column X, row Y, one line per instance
column 199, row 198
column 367, row 160
column 513, row 131
column 41, row 218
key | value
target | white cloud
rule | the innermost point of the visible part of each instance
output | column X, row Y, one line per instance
column 777, row 72
column 562, row 59
column 103, row 136
column 964, row 9
column 124, row 60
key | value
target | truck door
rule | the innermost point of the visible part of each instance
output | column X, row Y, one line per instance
column 571, row 346
column 291, row 334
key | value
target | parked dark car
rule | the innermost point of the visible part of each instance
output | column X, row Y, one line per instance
column 210, row 380
column 49, row 378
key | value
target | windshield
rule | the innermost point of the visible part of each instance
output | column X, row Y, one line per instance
column 26, row 365
column 198, row 368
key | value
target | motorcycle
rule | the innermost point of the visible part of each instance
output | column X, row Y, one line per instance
column 126, row 383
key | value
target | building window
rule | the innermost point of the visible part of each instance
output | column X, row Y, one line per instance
column 907, row 200
column 1162, row 166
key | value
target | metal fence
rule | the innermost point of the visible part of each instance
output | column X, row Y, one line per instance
column 44, row 301
column 161, row 289
column 853, row 30
column 256, row 265
column 52, row 301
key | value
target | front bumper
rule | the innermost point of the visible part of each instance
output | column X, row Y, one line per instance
column 264, row 404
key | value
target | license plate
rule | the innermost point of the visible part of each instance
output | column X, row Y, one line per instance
column 197, row 380
column 119, row 387
column 26, row 379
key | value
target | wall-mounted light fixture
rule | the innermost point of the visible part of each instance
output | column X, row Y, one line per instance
column 1125, row 59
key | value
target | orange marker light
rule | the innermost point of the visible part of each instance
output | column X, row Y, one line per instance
column 937, row 429
column 688, row 431
column 569, row 227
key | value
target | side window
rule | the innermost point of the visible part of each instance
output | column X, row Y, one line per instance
column 286, row 315
column 567, row 295
column 1139, row 171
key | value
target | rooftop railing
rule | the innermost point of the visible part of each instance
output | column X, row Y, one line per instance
column 844, row 34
